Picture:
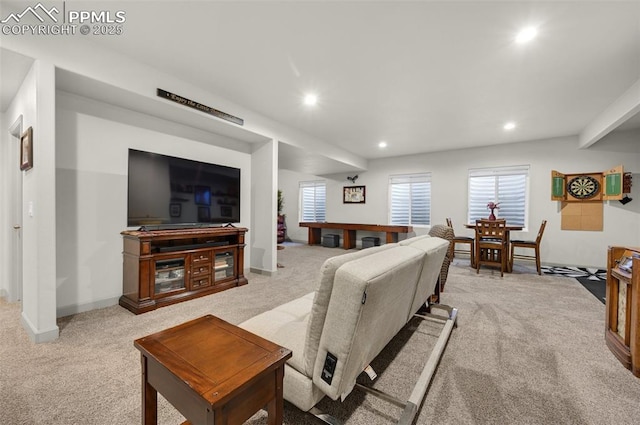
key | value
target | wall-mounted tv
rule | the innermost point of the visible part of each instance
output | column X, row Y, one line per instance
column 165, row 190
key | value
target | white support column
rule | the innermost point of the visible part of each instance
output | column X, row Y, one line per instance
column 38, row 214
column 264, row 191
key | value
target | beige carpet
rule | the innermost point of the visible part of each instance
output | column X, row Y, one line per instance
column 529, row 349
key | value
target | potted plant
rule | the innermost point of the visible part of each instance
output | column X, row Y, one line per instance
column 280, row 202
column 282, row 228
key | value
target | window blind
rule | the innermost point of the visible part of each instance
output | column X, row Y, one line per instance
column 410, row 199
column 504, row 185
column 313, row 197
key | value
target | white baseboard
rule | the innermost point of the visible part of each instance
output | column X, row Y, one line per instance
column 39, row 336
column 260, row 271
column 81, row 308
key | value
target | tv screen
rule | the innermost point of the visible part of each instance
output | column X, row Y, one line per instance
column 165, row 190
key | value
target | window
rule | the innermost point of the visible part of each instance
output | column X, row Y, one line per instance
column 504, row 185
column 313, row 197
column 410, row 199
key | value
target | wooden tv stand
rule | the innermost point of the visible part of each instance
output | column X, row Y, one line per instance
column 162, row 267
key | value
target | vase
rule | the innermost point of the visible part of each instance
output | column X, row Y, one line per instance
column 492, row 217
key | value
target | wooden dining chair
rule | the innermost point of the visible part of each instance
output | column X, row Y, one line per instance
column 467, row 240
column 535, row 245
column 491, row 244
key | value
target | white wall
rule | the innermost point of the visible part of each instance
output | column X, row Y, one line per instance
column 449, row 193
column 264, row 162
column 91, row 192
column 289, row 184
column 6, row 159
column 35, row 102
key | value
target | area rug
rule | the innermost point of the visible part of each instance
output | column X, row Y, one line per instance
column 594, row 280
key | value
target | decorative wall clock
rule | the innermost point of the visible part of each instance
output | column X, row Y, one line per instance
column 583, row 187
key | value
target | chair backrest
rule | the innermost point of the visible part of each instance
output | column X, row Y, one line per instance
column 444, row 232
column 541, row 231
column 492, row 229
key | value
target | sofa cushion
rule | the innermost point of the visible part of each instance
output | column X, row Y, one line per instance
column 299, row 390
column 322, row 296
column 409, row 241
column 369, row 304
column 435, row 250
column 285, row 325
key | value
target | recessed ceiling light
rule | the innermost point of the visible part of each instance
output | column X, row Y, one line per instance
column 509, row 126
column 310, row 99
column 526, row 34
column 382, row 145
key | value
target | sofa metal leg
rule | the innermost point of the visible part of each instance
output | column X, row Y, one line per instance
column 452, row 313
column 420, row 389
column 324, row 417
column 380, row 394
column 422, row 385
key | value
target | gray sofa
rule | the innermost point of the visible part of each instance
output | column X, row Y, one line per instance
column 362, row 300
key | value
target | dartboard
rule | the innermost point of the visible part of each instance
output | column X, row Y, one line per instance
column 583, row 187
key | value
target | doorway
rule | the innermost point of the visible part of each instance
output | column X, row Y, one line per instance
column 15, row 213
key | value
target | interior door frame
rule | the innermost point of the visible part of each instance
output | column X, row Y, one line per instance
column 15, row 200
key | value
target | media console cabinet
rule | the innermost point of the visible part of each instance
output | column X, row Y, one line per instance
column 162, row 267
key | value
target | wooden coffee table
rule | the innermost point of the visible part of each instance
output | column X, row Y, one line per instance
column 212, row 372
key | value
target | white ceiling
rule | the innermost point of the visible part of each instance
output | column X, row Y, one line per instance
column 424, row 75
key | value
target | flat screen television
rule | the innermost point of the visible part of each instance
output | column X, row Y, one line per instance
column 166, row 191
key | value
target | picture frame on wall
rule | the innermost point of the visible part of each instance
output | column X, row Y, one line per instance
column 204, row 215
column 26, row 149
column 353, row 195
column 175, row 210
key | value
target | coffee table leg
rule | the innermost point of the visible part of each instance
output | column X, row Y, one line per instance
column 275, row 408
column 149, row 398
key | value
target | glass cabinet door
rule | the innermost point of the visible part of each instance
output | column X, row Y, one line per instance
column 169, row 275
column 224, row 265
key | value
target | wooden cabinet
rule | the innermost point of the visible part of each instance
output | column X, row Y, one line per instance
column 162, row 267
column 599, row 186
column 622, row 332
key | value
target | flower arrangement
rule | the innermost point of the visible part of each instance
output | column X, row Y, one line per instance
column 493, row 206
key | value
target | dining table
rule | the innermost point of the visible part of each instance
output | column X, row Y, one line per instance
column 508, row 229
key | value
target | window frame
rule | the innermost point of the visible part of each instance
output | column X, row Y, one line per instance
column 312, row 184
column 413, row 178
column 498, row 172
